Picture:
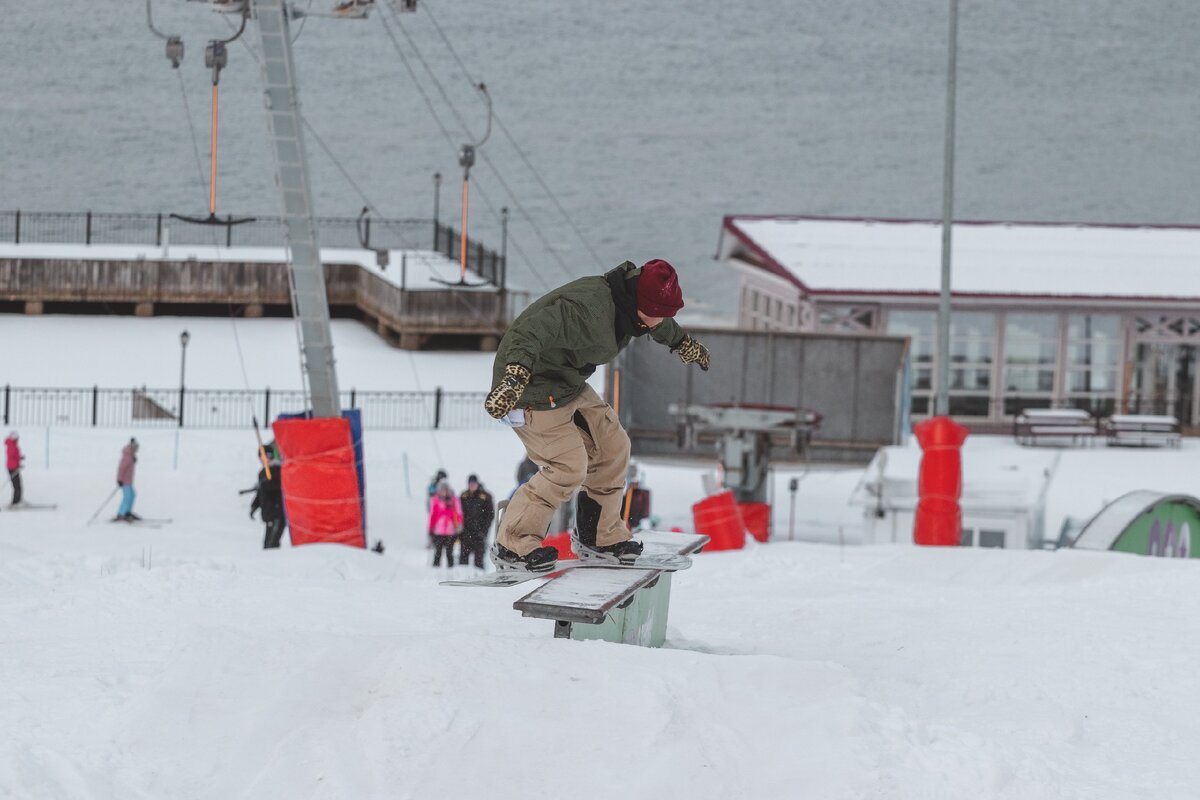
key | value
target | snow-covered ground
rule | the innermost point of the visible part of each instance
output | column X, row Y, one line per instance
column 184, row 661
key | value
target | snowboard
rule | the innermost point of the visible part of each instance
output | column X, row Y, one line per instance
column 665, row 562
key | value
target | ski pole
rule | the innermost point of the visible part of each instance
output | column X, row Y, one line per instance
column 102, row 505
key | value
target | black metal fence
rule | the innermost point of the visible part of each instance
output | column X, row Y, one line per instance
column 225, row 408
column 88, row 227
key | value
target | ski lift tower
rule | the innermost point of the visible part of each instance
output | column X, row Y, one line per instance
column 745, row 433
column 291, row 175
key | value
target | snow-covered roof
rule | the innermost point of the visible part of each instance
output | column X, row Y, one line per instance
column 903, row 257
column 423, row 268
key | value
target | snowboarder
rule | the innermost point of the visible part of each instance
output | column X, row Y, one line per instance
column 268, row 498
column 13, row 461
column 478, row 510
column 445, row 523
column 125, row 470
column 539, row 386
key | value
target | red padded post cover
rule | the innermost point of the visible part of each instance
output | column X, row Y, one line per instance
column 939, row 484
column 320, row 482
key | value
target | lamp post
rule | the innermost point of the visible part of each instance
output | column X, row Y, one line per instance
column 184, row 338
column 942, row 358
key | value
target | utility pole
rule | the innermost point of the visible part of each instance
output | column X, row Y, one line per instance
column 306, row 275
column 942, row 407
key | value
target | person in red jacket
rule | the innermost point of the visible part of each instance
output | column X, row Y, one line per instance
column 13, row 461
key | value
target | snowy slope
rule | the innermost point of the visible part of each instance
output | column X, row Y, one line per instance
column 185, row 662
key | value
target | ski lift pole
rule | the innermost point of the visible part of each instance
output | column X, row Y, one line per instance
column 466, row 158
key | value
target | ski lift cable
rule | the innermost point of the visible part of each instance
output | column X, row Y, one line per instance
column 237, row 342
column 495, row 171
column 450, row 140
column 512, row 140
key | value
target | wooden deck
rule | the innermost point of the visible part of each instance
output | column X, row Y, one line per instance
column 411, row 319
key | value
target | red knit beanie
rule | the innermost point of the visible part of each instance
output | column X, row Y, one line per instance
column 658, row 290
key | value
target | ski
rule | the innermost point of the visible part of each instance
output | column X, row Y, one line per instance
column 23, row 506
column 142, row 523
column 662, row 562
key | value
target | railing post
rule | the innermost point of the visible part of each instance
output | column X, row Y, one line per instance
column 353, row 397
column 95, row 405
column 479, row 258
column 437, row 408
column 367, row 233
column 181, row 390
column 158, row 231
column 87, row 236
column 229, row 230
column 17, row 235
column 267, row 407
column 7, row 391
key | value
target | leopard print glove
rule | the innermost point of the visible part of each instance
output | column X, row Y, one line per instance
column 503, row 398
column 692, row 352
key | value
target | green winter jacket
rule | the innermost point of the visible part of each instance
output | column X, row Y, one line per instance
column 565, row 334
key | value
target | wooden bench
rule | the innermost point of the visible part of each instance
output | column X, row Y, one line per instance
column 1143, row 430
column 628, row 606
column 1034, row 425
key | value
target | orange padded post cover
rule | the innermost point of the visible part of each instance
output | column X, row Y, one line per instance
column 320, row 482
column 939, row 485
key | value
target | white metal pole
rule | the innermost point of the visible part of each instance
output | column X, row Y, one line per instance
column 943, row 332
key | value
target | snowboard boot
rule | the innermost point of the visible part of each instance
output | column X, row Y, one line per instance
column 540, row 559
column 583, row 537
column 626, row 552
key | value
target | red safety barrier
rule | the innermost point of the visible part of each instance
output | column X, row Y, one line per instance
column 718, row 518
column 562, row 543
column 939, row 485
column 757, row 519
column 320, row 481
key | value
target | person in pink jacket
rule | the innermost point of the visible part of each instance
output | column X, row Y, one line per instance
column 125, row 470
column 445, row 523
column 12, row 460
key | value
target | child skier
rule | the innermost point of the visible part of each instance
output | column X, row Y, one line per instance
column 13, row 461
column 539, row 384
column 125, row 469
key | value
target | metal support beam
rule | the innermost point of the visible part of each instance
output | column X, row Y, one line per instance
column 942, row 358
column 307, row 277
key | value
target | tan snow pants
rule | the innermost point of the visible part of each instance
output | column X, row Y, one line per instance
column 578, row 444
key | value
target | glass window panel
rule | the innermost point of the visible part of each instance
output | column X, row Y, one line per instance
column 1030, row 351
column 969, row 405
column 991, row 538
column 977, row 351
column 968, row 537
column 911, row 323
column 922, row 378
column 1093, row 352
column 980, row 379
column 1094, row 380
column 1037, row 326
column 1094, row 326
column 1028, row 379
column 920, row 405
column 972, row 324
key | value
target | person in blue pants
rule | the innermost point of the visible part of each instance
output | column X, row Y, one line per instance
column 125, row 470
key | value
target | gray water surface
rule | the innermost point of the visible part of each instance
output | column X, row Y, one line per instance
column 649, row 120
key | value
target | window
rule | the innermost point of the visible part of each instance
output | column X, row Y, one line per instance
column 972, row 352
column 1030, row 360
column 990, row 538
column 846, row 319
column 1093, row 361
